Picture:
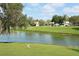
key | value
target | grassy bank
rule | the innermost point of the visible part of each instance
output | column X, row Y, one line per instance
column 68, row 30
column 21, row 49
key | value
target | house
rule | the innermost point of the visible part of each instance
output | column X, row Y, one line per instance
column 37, row 23
column 56, row 24
column 66, row 23
column 51, row 24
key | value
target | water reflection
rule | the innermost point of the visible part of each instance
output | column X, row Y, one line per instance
column 56, row 39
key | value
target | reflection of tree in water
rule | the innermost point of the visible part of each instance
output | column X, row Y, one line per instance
column 65, row 40
column 39, row 37
column 57, row 39
column 58, row 36
column 32, row 36
column 29, row 33
column 72, row 41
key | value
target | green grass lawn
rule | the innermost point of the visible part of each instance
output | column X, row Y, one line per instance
column 68, row 30
column 21, row 49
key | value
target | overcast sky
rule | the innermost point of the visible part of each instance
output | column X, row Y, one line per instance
column 47, row 10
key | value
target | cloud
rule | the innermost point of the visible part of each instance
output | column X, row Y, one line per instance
column 34, row 4
column 74, row 9
column 56, row 5
column 48, row 9
column 51, row 9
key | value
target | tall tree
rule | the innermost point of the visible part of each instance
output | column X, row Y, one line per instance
column 12, row 13
column 41, row 22
column 65, row 18
column 31, row 21
column 23, row 22
column 74, row 20
column 57, row 19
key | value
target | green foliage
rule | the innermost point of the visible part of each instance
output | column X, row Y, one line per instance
column 66, row 18
column 74, row 20
column 12, row 14
column 30, row 21
column 41, row 22
column 59, row 19
column 23, row 21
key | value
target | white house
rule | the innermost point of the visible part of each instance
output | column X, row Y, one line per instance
column 51, row 23
column 37, row 23
column 56, row 24
column 66, row 23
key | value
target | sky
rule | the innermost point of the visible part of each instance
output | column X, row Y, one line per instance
column 47, row 10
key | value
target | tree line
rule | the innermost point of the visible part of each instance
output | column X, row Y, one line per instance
column 74, row 20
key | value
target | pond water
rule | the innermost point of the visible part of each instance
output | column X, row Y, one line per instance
column 45, row 38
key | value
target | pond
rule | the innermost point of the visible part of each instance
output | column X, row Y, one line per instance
column 45, row 38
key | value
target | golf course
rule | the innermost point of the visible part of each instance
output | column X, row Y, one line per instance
column 42, row 29
column 37, row 49
column 21, row 49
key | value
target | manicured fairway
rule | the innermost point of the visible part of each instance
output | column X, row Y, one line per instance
column 58, row 29
column 21, row 49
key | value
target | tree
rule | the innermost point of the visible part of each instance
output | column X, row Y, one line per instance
column 23, row 21
column 57, row 19
column 41, row 22
column 29, row 19
column 65, row 18
column 61, row 20
column 47, row 22
column 74, row 20
column 12, row 13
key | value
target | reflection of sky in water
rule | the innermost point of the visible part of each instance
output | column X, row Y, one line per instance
column 57, row 39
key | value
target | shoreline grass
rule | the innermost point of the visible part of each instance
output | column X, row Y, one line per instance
column 64, row 30
column 21, row 49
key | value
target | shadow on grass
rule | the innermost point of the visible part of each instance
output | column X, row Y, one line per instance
column 76, row 28
column 74, row 49
column 6, row 42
